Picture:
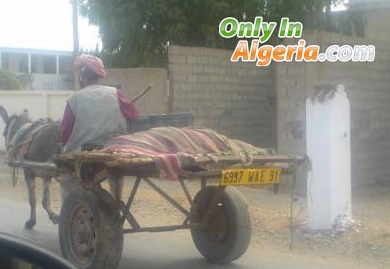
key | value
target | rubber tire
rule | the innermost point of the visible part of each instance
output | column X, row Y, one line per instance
column 108, row 231
column 239, row 225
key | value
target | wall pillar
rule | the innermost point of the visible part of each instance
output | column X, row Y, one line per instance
column 328, row 148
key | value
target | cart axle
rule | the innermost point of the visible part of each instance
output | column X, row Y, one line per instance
column 157, row 229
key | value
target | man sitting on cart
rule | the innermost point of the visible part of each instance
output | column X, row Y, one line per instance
column 94, row 113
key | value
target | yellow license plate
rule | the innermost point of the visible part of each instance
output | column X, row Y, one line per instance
column 252, row 176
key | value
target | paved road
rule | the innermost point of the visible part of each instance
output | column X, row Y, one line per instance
column 173, row 250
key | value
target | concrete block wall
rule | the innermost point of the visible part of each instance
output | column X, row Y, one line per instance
column 367, row 87
column 236, row 99
column 40, row 104
column 134, row 80
column 377, row 22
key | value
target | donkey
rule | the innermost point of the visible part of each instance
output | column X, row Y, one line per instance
column 43, row 144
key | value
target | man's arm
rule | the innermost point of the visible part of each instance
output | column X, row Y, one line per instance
column 128, row 109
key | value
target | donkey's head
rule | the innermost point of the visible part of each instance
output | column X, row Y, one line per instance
column 12, row 123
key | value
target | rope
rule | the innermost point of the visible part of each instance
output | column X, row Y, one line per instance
column 14, row 171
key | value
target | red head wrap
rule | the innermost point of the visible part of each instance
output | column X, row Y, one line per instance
column 91, row 62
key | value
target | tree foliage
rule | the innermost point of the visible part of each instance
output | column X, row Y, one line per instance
column 8, row 80
column 137, row 32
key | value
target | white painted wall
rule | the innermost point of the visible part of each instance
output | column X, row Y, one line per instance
column 40, row 104
column 328, row 148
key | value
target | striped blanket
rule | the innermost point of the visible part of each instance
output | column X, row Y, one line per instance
column 173, row 148
column 20, row 142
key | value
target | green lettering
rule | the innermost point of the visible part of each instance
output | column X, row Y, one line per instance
column 245, row 29
column 228, row 27
column 256, row 31
column 268, row 29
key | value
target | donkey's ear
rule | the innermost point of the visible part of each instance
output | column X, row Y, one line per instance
column 25, row 116
column 3, row 114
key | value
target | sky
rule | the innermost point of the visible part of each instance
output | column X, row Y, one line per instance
column 43, row 24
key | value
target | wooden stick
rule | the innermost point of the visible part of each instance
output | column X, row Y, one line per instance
column 142, row 93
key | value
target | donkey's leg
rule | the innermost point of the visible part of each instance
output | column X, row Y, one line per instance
column 46, row 203
column 68, row 184
column 29, row 177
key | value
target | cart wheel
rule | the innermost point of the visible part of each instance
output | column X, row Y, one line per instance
column 225, row 231
column 89, row 230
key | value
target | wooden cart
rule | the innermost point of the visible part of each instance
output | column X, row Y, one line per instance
column 92, row 222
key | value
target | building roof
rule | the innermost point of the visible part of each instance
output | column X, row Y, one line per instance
column 36, row 51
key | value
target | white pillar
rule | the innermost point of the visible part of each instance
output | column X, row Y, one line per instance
column 328, row 148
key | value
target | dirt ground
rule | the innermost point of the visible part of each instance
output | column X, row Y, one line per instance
column 365, row 244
